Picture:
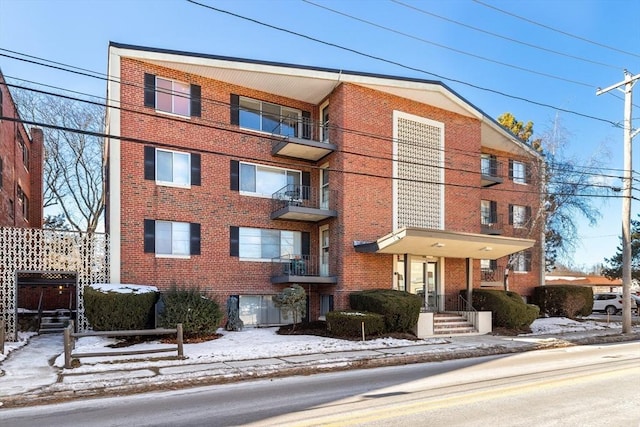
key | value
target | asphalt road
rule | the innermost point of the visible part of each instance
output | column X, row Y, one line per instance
column 575, row 386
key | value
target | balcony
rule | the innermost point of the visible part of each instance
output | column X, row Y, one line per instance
column 491, row 224
column 299, row 268
column 492, row 277
column 490, row 172
column 302, row 203
column 300, row 148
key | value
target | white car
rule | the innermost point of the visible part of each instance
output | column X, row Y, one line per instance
column 610, row 302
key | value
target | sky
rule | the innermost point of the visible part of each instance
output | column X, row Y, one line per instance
column 541, row 60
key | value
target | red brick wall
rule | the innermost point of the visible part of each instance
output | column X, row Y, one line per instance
column 360, row 174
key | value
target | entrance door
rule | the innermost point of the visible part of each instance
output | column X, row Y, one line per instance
column 424, row 282
column 324, row 251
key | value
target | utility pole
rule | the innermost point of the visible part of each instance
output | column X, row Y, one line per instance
column 628, row 83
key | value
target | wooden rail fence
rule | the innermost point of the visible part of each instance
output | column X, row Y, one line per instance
column 70, row 341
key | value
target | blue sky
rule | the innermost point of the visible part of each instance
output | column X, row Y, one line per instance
column 548, row 56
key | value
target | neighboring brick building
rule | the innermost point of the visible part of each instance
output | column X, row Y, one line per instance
column 241, row 177
column 21, row 164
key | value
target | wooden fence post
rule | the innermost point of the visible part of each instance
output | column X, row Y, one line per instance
column 179, row 339
column 67, row 347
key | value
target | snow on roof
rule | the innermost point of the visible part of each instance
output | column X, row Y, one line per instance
column 123, row 288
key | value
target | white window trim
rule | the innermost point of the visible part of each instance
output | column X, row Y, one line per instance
column 171, row 183
column 517, row 180
column 173, row 93
column 321, row 124
column 261, row 195
column 265, row 132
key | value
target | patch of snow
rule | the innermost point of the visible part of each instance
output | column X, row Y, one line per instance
column 123, row 288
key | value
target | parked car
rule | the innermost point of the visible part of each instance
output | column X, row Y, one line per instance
column 610, row 302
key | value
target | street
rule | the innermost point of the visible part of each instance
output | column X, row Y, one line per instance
column 574, row 386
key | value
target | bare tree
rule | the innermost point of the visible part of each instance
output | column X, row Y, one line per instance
column 73, row 167
column 569, row 187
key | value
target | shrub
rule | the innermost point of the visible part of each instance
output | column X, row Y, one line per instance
column 507, row 308
column 117, row 311
column 292, row 300
column 199, row 315
column 349, row 323
column 399, row 308
column 564, row 300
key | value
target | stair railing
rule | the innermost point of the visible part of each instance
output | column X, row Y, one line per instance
column 466, row 310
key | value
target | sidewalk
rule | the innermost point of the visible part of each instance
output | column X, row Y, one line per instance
column 33, row 374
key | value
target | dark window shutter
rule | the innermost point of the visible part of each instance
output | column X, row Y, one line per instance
column 307, row 314
column 194, row 229
column 527, row 173
column 306, row 125
column 527, row 261
column 234, row 241
column 195, row 169
column 330, row 302
column 235, row 175
column 235, row 109
column 494, row 211
column 149, row 163
column 528, row 213
column 493, row 264
column 306, row 185
column 196, row 103
column 149, row 236
column 510, row 169
column 305, row 243
column 510, row 214
column 149, row 90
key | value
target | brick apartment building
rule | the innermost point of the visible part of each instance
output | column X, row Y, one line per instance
column 21, row 164
column 241, row 177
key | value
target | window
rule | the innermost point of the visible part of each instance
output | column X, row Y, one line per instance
column 488, row 212
column 172, row 96
column 326, row 304
column 489, row 165
column 25, row 151
column 257, row 243
column 518, row 172
column 268, row 117
column 324, row 188
column 24, row 202
column 324, row 125
column 519, row 215
column 258, row 310
column 522, row 261
column 172, row 168
column 266, row 180
column 171, row 238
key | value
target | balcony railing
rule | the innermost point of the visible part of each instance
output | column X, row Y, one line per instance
column 492, row 276
column 298, row 268
column 299, row 144
column 491, row 224
column 303, row 203
column 491, row 172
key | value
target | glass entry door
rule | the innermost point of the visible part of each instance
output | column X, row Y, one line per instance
column 424, row 282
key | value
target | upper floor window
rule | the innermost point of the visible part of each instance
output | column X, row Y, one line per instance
column 172, row 168
column 266, row 180
column 268, row 117
column 324, row 125
column 489, row 165
column 519, row 215
column 172, row 96
column 266, row 244
column 518, row 172
column 171, row 238
column 25, row 151
column 521, row 261
column 488, row 212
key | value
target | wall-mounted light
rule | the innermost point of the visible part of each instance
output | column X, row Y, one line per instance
column 437, row 245
column 487, row 249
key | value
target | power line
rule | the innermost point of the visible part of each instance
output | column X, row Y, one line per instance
column 378, row 157
column 462, row 52
column 555, row 29
column 366, row 55
column 244, row 157
column 533, row 46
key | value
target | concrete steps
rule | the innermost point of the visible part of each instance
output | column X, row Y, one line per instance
column 452, row 324
column 55, row 323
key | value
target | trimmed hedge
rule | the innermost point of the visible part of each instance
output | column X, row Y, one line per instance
column 399, row 308
column 564, row 300
column 116, row 311
column 199, row 315
column 507, row 308
column 349, row 323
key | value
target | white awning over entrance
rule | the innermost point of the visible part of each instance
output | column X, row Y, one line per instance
column 440, row 243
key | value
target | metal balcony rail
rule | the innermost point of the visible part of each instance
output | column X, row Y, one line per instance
column 297, row 265
column 491, row 223
column 491, row 168
column 303, row 196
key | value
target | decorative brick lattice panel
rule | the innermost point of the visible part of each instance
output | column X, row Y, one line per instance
column 30, row 249
column 420, row 172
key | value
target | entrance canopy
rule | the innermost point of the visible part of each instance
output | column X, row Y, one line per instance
column 440, row 243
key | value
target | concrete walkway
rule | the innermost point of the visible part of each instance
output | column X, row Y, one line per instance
column 41, row 382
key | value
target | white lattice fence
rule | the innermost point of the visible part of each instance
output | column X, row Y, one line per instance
column 30, row 249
